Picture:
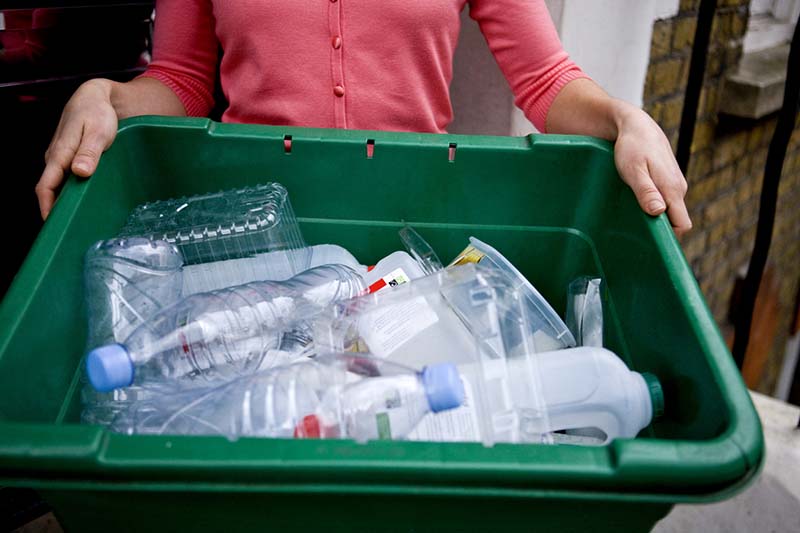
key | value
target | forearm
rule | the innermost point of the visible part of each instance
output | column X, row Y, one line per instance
column 583, row 108
column 143, row 96
column 642, row 153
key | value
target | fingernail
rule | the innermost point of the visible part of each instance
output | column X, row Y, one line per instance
column 81, row 166
column 655, row 205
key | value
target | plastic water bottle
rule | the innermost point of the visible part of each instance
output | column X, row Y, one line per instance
column 272, row 266
column 334, row 396
column 126, row 281
column 223, row 333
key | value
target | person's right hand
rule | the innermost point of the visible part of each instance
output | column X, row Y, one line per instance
column 87, row 128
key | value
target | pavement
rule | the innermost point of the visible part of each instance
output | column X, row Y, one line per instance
column 772, row 503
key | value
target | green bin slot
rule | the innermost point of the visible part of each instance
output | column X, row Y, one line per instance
column 554, row 205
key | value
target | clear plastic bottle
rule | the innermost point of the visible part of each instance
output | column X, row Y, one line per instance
column 270, row 266
column 333, row 396
column 126, row 281
column 224, row 333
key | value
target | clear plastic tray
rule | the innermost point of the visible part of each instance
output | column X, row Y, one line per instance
column 550, row 332
column 226, row 225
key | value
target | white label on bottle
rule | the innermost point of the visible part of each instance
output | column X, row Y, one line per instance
column 456, row 425
column 393, row 417
column 396, row 277
column 387, row 329
column 392, row 279
column 396, row 417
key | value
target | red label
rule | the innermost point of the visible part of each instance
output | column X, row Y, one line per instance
column 378, row 285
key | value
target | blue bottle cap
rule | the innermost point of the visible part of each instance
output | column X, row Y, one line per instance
column 109, row 367
column 443, row 386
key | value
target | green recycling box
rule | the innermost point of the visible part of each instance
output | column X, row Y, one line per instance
column 554, row 205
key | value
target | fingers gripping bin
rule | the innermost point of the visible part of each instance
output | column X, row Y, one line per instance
column 556, row 209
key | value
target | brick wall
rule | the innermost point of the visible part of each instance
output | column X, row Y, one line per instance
column 726, row 168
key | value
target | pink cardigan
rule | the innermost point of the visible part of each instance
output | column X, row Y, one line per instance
column 360, row 64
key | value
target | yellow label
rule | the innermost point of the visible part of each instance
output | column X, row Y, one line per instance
column 469, row 255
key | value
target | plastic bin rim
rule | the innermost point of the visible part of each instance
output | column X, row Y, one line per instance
column 309, row 134
column 369, row 489
column 88, row 455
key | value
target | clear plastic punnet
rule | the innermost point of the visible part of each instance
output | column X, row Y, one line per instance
column 550, row 332
column 227, row 225
column 470, row 316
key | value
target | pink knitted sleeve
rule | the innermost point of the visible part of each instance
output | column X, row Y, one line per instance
column 185, row 52
column 521, row 35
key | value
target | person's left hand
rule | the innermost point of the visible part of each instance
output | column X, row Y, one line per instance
column 645, row 162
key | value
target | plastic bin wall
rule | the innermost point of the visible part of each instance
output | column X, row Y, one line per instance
column 554, row 205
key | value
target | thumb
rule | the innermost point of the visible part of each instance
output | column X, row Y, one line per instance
column 94, row 142
column 645, row 190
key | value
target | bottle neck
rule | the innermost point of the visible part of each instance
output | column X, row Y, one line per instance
column 643, row 398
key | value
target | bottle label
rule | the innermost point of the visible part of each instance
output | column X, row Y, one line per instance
column 387, row 329
column 394, row 416
column 384, row 426
column 456, row 425
column 392, row 279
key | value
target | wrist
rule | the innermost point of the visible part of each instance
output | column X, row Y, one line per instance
column 622, row 114
column 101, row 92
column 98, row 88
column 117, row 96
